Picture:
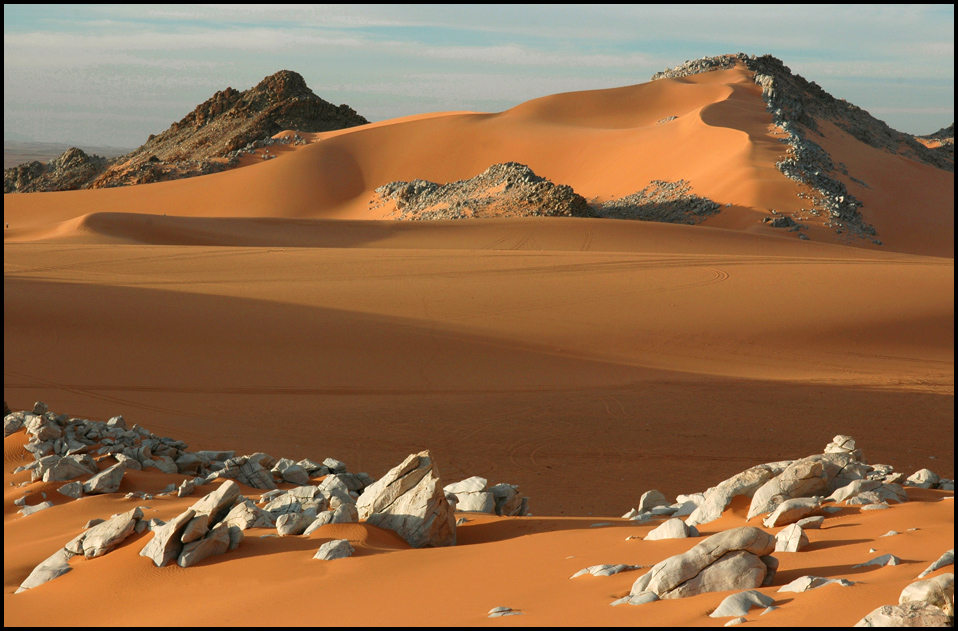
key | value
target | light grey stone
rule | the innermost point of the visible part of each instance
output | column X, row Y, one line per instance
column 671, row 529
column 73, row 489
column 475, row 484
column 744, row 483
column 880, row 561
column 909, row 614
column 938, row 591
column 802, row 478
column 688, row 573
column 186, row 488
column 295, row 474
column 639, row 598
column 336, row 466
column 216, row 541
column 923, row 478
column 52, row 567
column 291, row 524
column 409, row 499
column 166, row 544
column 283, row 504
column 737, row 621
column 790, row 511
column 739, row 604
column 196, row 528
column 247, row 515
column 107, row 481
column 805, row 583
column 604, row 570
column 651, row 499
column 844, row 445
column 323, row 518
column 508, row 501
column 29, row 510
column 814, row 522
column 946, row 559
column 790, row 539
column 483, row 502
column 218, row 503
column 106, row 536
column 336, row 549
column 345, row 514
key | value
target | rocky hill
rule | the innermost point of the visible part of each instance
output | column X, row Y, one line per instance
column 208, row 139
column 798, row 106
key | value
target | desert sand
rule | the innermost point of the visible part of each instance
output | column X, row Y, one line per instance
column 266, row 308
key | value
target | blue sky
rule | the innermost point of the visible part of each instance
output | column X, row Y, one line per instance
column 105, row 74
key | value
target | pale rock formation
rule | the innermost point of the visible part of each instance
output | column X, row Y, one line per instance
column 409, row 500
column 938, row 591
column 196, row 528
column 604, row 570
column 336, row 549
column 673, row 528
column 805, row 583
column 216, row 541
column 247, row 515
column 107, row 481
column 323, row 518
column 73, row 489
column 811, row 522
column 790, row 539
column 166, row 543
column 744, row 483
column 217, row 503
column 107, row 535
column 651, row 499
column 638, row 598
column 790, row 511
column 842, row 444
column 186, row 488
column 29, row 510
column 345, row 514
column 54, row 566
column 946, row 559
column 739, row 604
column 909, row 614
column 923, row 479
column 725, row 561
column 880, row 561
column 291, row 524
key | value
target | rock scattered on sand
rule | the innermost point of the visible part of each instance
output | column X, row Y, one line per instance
column 881, row 561
column 946, row 559
column 409, row 499
column 790, row 539
column 909, row 614
column 805, row 583
column 605, row 570
column 673, row 528
column 498, row 612
column 336, row 549
column 739, row 604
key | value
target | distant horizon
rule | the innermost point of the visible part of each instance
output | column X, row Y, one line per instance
column 113, row 75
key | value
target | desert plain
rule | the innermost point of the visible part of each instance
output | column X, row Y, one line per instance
column 273, row 308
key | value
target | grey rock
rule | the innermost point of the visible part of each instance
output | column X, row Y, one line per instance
column 336, row 466
column 790, row 511
column 741, row 619
column 733, row 553
column 483, row 502
column 639, row 598
column 880, row 561
column 283, row 505
column 54, row 566
column 106, row 536
column 475, row 484
column 805, row 583
column 744, row 483
column 67, row 468
column 291, row 524
column 29, row 510
column 107, row 481
column 946, row 559
column 217, row 541
column 409, row 500
column 508, row 500
column 218, row 503
column 73, row 489
column 938, row 591
column 807, row 523
column 790, row 539
column 844, row 445
column 247, row 515
column 671, row 529
column 196, row 528
column 345, row 514
column 923, row 478
column 909, row 614
column 739, row 604
column 295, row 474
column 651, row 499
column 186, row 488
column 802, row 478
column 336, row 549
column 166, row 543
column 323, row 518
column 604, row 570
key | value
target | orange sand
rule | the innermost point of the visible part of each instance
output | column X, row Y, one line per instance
column 585, row 360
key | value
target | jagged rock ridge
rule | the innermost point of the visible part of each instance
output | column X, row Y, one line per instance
column 217, row 128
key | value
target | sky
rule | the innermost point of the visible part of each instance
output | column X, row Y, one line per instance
column 112, row 75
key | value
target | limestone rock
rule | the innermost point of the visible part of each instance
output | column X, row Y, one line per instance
column 948, row 558
column 842, row 444
column 409, row 500
column 73, row 489
column 323, row 518
column 790, row 511
column 744, row 483
column 336, row 549
column 66, row 468
column 107, row 535
column 807, row 523
column 29, row 510
column 790, row 539
column 166, row 543
column 54, row 566
column 938, row 591
column 291, row 524
column 345, row 514
column 802, row 478
column 218, row 503
column 650, row 500
column 923, row 478
column 909, row 614
column 880, row 561
column 805, row 583
column 671, row 529
column 733, row 553
column 639, row 598
column 247, row 515
column 186, row 488
column 107, row 481
column 216, row 541
column 604, row 570
column 196, row 528
column 739, row 604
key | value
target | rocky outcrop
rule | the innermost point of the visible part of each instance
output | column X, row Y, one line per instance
column 503, row 190
column 202, row 142
column 662, row 201
column 725, row 561
column 409, row 499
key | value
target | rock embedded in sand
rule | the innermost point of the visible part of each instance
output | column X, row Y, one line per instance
column 938, row 591
column 604, row 570
column 106, row 536
column 739, row 604
column 247, row 515
column 166, row 543
column 52, row 567
column 744, row 483
column 216, row 541
column 790, row 511
column 73, row 489
column 946, row 559
column 790, row 539
column 909, row 614
column 651, row 499
column 196, row 528
column 805, row 583
column 291, row 524
column 725, row 561
column 880, row 561
column 107, row 481
column 29, row 510
column 218, row 503
column 671, row 529
column 409, row 500
column 336, row 549
column 923, row 479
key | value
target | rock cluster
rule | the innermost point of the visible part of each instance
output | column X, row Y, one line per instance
column 926, row 603
column 503, row 190
column 472, row 496
column 669, row 202
column 217, row 128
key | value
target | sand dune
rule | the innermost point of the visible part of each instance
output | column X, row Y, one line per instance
column 267, row 308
